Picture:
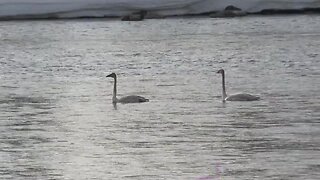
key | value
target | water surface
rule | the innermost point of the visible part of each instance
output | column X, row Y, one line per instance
column 57, row 120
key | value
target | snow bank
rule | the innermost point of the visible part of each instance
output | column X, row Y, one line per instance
column 102, row 8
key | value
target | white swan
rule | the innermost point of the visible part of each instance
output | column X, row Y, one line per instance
column 235, row 97
column 126, row 99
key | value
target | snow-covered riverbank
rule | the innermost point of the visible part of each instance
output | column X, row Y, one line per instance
column 10, row 9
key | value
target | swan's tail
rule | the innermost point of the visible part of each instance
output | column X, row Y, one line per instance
column 142, row 99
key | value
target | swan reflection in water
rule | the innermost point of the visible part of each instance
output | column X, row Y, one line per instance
column 126, row 99
column 235, row 97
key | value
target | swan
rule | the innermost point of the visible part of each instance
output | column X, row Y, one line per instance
column 126, row 99
column 235, row 97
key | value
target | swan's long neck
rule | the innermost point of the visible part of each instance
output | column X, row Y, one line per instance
column 224, row 94
column 114, row 98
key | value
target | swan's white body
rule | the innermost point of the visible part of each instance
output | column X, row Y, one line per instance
column 126, row 99
column 235, row 97
column 132, row 99
column 242, row 97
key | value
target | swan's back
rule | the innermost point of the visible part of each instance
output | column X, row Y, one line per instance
column 242, row 97
column 133, row 99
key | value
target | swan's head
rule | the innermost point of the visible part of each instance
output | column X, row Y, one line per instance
column 113, row 75
column 221, row 71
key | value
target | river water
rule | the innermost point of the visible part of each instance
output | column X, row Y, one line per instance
column 57, row 120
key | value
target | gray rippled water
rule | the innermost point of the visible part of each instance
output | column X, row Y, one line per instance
column 57, row 120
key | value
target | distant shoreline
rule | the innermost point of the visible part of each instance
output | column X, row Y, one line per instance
column 150, row 15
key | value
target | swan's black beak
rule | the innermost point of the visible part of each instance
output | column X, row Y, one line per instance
column 111, row 75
